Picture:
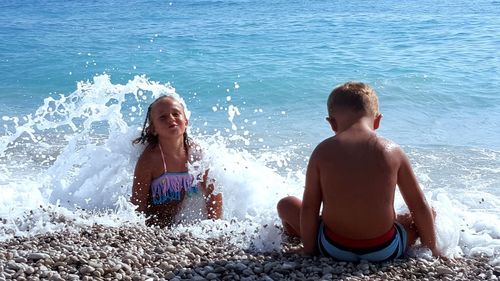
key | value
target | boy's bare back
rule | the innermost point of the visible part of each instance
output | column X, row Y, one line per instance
column 357, row 174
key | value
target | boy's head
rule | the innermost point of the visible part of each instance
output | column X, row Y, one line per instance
column 355, row 97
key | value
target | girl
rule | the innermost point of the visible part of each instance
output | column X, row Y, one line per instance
column 161, row 178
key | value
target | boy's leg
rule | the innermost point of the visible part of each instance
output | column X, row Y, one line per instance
column 289, row 213
column 407, row 222
column 411, row 230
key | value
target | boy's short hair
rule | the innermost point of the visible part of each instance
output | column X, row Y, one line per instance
column 355, row 96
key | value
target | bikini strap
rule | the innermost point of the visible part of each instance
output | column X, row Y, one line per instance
column 163, row 158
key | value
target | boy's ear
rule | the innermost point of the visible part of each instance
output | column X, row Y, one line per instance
column 376, row 122
column 333, row 123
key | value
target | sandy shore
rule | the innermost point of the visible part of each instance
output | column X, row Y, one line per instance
column 140, row 253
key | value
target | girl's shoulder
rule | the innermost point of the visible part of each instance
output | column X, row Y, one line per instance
column 149, row 152
column 146, row 162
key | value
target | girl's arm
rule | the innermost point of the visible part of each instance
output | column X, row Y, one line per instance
column 212, row 202
column 141, row 185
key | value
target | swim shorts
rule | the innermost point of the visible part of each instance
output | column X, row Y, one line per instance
column 393, row 247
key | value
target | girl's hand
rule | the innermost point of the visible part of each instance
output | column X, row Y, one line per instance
column 207, row 186
column 213, row 202
column 208, row 189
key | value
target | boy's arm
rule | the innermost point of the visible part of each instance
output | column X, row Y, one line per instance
column 419, row 209
column 141, row 185
column 309, row 212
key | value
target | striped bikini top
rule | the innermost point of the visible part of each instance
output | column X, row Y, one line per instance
column 169, row 186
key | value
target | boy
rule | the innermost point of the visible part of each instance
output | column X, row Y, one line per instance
column 354, row 175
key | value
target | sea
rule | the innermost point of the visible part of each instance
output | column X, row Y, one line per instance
column 76, row 78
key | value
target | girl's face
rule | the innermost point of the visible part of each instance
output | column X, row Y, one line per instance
column 168, row 119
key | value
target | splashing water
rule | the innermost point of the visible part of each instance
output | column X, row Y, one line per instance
column 71, row 163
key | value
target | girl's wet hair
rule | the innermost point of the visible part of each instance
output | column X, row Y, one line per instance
column 147, row 137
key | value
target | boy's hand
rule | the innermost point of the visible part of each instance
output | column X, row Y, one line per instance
column 436, row 253
column 296, row 251
column 300, row 251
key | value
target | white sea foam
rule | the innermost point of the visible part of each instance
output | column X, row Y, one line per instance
column 71, row 163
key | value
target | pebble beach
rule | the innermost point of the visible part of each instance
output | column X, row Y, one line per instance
column 77, row 78
column 136, row 252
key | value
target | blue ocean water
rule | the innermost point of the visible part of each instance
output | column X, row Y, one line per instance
column 255, row 76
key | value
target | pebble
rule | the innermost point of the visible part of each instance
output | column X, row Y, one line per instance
column 171, row 249
column 197, row 251
column 166, row 266
column 13, row 266
column 37, row 256
column 29, row 270
column 266, row 278
column 240, row 267
column 170, row 275
column 95, row 264
column 211, row 276
column 288, row 266
column 86, row 269
column 126, row 267
column 140, row 253
column 159, row 250
column 73, row 277
column 257, row 270
column 147, row 271
column 20, row 260
column 364, row 266
column 443, row 270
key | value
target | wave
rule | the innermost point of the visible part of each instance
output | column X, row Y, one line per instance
column 70, row 164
